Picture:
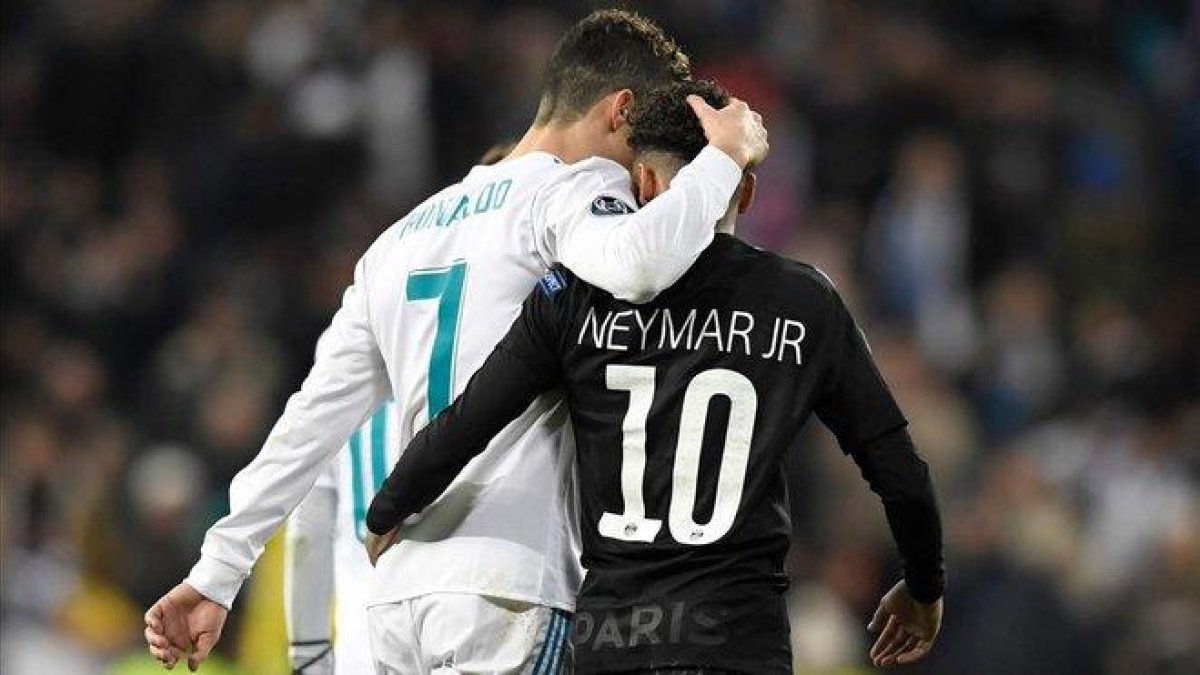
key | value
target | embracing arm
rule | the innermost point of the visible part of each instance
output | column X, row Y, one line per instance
column 524, row 364
column 587, row 220
column 592, row 227
column 496, row 395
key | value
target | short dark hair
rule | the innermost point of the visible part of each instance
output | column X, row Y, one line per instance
column 664, row 122
column 606, row 51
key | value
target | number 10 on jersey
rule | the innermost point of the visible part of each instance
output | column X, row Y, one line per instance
column 633, row 525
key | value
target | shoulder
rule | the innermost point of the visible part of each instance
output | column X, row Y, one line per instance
column 789, row 275
column 595, row 185
column 590, row 178
column 381, row 250
column 417, row 217
column 593, row 168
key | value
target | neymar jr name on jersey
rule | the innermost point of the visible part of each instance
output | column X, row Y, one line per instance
column 777, row 339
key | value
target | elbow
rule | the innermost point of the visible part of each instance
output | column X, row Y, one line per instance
column 639, row 294
column 641, row 282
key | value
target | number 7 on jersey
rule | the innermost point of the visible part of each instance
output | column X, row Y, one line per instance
column 444, row 284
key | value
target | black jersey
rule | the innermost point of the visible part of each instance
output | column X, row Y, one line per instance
column 682, row 409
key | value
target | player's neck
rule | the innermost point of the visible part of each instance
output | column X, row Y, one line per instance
column 728, row 224
column 571, row 142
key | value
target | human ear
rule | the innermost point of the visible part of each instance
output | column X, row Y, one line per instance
column 650, row 182
column 642, row 175
column 619, row 110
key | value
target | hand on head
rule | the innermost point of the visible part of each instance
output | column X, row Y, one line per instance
column 735, row 129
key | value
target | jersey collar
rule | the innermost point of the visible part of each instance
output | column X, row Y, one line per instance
column 532, row 159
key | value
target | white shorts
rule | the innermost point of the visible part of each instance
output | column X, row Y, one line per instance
column 445, row 633
column 352, row 656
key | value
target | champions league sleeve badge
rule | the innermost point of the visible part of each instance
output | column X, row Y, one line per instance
column 552, row 283
column 608, row 205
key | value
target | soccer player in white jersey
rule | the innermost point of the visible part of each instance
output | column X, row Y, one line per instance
column 483, row 581
column 324, row 558
column 325, row 561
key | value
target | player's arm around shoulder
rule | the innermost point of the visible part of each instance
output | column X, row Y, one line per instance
column 588, row 217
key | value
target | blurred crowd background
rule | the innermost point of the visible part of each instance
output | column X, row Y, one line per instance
column 1006, row 191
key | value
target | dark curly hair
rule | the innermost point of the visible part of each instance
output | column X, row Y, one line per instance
column 664, row 122
column 606, row 51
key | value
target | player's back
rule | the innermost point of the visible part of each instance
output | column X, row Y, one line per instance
column 442, row 285
column 695, row 397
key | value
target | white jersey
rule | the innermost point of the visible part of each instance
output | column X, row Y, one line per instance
column 430, row 299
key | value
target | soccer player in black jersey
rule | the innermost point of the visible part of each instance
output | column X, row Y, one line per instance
column 683, row 409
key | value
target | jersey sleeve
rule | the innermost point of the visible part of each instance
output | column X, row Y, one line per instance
column 856, row 404
column 860, row 410
column 347, row 381
column 891, row 466
column 523, row 365
column 588, row 221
